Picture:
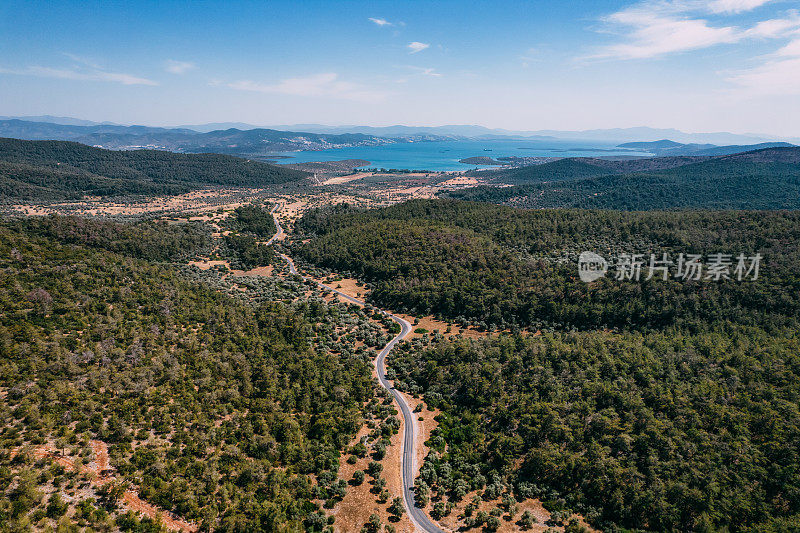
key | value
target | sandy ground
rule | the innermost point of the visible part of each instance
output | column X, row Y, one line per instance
column 253, row 272
column 432, row 325
column 207, row 265
column 460, row 181
column 409, row 192
column 348, row 286
column 293, row 209
column 359, row 503
column 338, row 180
column 507, row 524
column 195, row 201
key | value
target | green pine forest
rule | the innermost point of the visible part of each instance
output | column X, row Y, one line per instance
column 761, row 179
column 651, row 405
column 645, row 406
column 53, row 171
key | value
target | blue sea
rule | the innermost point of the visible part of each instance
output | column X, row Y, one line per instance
column 444, row 155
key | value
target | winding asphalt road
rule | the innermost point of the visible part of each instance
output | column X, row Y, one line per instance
column 279, row 228
column 417, row 515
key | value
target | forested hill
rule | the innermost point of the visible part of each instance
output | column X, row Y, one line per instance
column 573, row 168
column 762, row 179
column 498, row 266
column 645, row 405
column 58, row 170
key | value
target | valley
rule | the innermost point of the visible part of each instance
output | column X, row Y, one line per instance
column 364, row 350
column 386, row 267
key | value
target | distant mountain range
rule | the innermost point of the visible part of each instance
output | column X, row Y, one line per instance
column 453, row 131
column 247, row 140
column 66, row 121
column 603, row 135
column 667, row 147
column 254, row 143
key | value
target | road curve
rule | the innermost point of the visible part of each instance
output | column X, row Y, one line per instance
column 417, row 515
column 278, row 227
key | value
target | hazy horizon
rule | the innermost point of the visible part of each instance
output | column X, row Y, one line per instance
column 243, row 125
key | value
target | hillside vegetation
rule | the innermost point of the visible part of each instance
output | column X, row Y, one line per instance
column 228, row 412
column 672, row 431
column 764, row 179
column 498, row 266
column 650, row 405
column 60, row 170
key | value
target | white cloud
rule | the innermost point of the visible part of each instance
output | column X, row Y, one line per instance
column 735, row 6
column 79, row 74
column 417, row 46
column 425, row 71
column 430, row 72
column 775, row 28
column 778, row 75
column 85, row 61
column 381, row 22
column 656, row 33
column 178, row 67
column 656, row 28
column 790, row 50
column 319, row 85
column 771, row 78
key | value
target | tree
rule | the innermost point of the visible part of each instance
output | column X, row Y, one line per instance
column 492, row 523
column 373, row 525
column 527, row 520
column 374, row 469
column 396, row 509
column 56, row 507
column 42, row 300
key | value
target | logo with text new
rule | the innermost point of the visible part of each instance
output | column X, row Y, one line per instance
column 591, row 267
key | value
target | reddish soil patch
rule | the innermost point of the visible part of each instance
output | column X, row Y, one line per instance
column 430, row 325
column 359, row 503
column 254, row 272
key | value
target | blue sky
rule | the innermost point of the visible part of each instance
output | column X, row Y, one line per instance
column 731, row 65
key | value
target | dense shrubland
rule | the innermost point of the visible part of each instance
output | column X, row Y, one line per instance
column 661, row 431
column 226, row 410
column 498, row 266
column 254, row 220
column 682, row 417
column 726, row 183
column 150, row 240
